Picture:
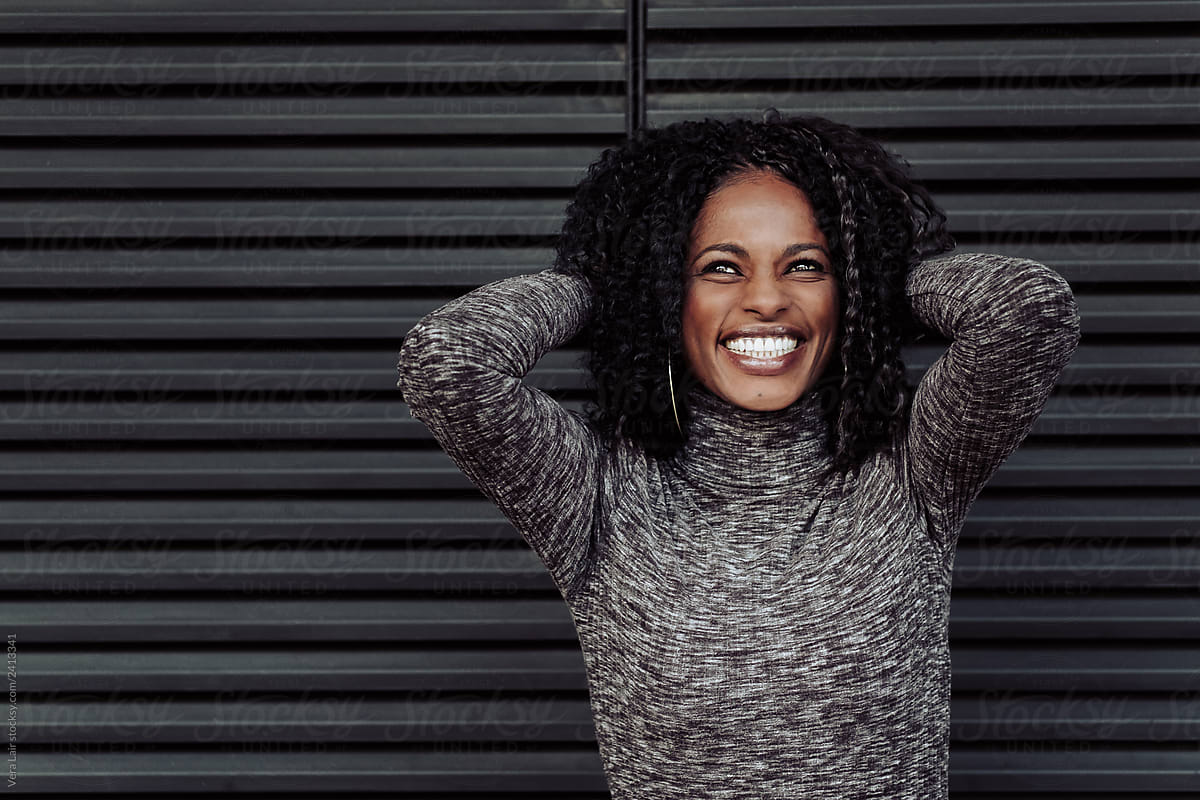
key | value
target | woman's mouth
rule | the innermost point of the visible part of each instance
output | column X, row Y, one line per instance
column 763, row 356
column 765, row 346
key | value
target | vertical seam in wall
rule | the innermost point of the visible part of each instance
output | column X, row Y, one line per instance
column 635, row 66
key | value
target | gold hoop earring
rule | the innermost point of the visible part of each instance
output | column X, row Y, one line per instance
column 671, row 385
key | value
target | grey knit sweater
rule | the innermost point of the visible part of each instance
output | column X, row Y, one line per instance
column 748, row 631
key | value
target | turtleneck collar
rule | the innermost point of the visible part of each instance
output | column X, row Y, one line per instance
column 730, row 446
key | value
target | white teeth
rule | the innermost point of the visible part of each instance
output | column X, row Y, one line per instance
column 770, row 346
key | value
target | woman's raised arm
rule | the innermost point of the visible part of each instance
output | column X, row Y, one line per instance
column 1014, row 326
column 460, row 373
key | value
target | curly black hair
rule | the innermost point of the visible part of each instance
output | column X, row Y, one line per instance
column 627, row 229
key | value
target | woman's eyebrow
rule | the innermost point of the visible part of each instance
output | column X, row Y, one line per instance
column 796, row 249
column 724, row 247
column 738, row 250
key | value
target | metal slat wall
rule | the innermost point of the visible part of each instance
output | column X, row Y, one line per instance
column 1065, row 132
column 234, row 563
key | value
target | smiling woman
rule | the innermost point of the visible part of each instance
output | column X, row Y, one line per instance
column 760, row 308
column 634, row 231
column 755, row 525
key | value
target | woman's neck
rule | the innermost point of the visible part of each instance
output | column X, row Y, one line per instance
column 734, row 449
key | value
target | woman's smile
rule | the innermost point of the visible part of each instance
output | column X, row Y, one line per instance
column 760, row 362
column 760, row 309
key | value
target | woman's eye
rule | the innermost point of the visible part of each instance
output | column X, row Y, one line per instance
column 729, row 269
column 815, row 266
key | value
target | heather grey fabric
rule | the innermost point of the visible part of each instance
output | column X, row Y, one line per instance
column 749, row 632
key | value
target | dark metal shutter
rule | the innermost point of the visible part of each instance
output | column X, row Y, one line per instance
column 224, row 572
column 232, row 561
column 1065, row 132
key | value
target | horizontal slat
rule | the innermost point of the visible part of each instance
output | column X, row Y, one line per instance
column 232, row 521
column 1109, row 370
column 1099, row 214
column 251, row 415
column 289, row 570
column 150, row 374
column 1096, row 769
column 305, row 522
column 946, row 108
column 249, row 469
column 1053, row 607
column 1073, row 520
column 594, row 113
column 1140, row 313
column 1175, row 464
column 1040, row 766
column 212, row 319
column 251, row 718
column 332, row 265
column 1111, row 261
column 1012, row 716
column 775, row 14
column 1014, row 569
column 539, row 167
column 356, row 318
column 1103, row 413
column 1009, row 63
column 310, row 669
column 241, row 223
column 83, row 717
column 452, row 768
column 977, row 667
column 155, row 223
column 256, row 467
column 280, row 166
column 1140, row 667
column 311, row 114
column 1066, row 159
column 52, row 70
column 306, row 16
column 303, row 608
column 1115, row 368
column 301, row 616
column 216, row 420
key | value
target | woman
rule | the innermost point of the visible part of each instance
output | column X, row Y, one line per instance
column 754, row 528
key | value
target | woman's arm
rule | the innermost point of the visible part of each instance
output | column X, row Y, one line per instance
column 1014, row 326
column 460, row 372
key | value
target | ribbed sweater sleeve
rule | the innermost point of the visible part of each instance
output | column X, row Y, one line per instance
column 1013, row 326
column 461, row 368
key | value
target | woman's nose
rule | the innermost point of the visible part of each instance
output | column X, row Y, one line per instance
column 764, row 294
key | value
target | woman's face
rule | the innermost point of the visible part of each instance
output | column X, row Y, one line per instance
column 758, row 267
